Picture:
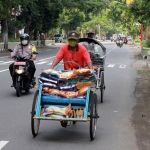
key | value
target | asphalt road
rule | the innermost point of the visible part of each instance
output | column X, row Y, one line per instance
column 114, row 129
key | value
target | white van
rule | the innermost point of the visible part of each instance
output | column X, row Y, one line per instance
column 58, row 38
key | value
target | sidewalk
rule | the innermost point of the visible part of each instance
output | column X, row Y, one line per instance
column 141, row 111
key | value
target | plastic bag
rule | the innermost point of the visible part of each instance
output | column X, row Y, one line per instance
column 84, row 84
column 82, row 71
column 53, row 110
column 82, row 91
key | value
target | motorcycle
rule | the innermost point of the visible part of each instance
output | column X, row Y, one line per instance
column 119, row 43
column 21, row 75
column 125, row 41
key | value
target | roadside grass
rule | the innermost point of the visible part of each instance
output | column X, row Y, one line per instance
column 144, row 71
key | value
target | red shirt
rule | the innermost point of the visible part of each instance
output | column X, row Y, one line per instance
column 81, row 56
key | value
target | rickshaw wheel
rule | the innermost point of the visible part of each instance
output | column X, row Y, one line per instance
column 102, row 86
column 35, row 123
column 74, row 122
column 93, row 115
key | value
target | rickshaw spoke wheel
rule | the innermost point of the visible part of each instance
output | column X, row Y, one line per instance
column 93, row 115
column 35, row 123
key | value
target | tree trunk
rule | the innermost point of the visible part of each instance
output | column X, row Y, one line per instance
column 27, row 27
column 5, row 33
column 148, row 32
column 35, row 34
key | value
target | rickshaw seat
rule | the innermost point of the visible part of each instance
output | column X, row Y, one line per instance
column 52, row 99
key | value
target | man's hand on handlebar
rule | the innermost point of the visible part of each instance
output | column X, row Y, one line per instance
column 10, row 57
column 33, row 58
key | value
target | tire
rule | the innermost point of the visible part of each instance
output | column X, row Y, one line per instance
column 102, row 86
column 27, row 90
column 35, row 123
column 18, row 90
column 93, row 115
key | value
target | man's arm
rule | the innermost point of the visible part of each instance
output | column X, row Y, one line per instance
column 58, row 58
column 90, row 66
column 14, row 52
column 55, row 62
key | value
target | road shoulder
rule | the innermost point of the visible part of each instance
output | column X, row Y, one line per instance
column 141, row 111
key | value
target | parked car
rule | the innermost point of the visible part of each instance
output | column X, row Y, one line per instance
column 129, row 38
column 58, row 38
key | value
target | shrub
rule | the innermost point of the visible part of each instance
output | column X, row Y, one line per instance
column 146, row 43
column 137, row 40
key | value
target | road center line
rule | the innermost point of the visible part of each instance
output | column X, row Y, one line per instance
column 4, row 70
column 3, row 143
column 108, row 52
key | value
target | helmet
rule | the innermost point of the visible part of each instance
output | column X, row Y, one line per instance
column 24, row 39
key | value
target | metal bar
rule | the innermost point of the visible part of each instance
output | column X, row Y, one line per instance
column 87, row 103
column 38, row 107
column 63, row 119
column 61, row 106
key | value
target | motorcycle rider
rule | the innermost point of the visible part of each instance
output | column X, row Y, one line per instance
column 24, row 48
column 125, row 40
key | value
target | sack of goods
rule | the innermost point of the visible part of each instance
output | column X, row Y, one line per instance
column 67, row 84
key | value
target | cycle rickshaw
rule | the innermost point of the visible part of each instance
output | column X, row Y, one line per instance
column 88, row 105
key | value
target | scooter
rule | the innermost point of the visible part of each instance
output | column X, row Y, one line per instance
column 21, row 75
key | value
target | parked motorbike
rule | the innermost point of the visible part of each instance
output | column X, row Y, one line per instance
column 21, row 75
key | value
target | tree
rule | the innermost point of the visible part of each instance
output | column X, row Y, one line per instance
column 7, row 7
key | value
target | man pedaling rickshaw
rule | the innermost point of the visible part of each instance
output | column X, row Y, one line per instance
column 73, row 52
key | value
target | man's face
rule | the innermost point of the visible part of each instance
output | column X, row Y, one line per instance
column 90, row 35
column 72, row 42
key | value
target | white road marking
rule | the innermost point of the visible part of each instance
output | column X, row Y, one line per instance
column 49, row 64
column 4, row 70
column 47, row 58
column 111, row 65
column 7, row 62
column 3, row 143
column 48, row 49
column 4, row 57
column 115, row 111
column 43, row 62
column 122, row 66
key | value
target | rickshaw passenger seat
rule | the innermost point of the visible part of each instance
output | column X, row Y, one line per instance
column 52, row 99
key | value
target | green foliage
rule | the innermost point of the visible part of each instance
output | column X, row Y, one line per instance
column 146, row 43
column 137, row 40
column 141, row 11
